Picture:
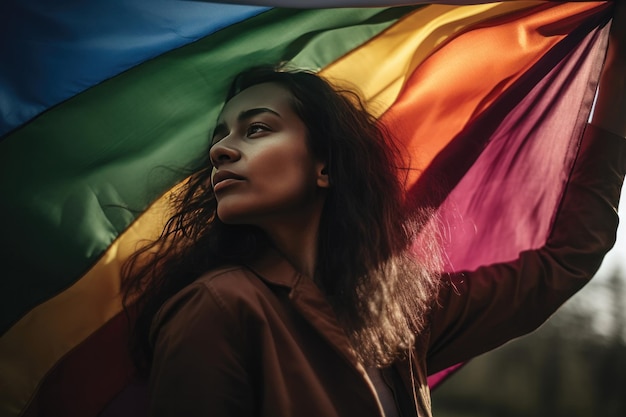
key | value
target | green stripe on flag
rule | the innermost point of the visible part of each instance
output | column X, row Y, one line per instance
column 69, row 178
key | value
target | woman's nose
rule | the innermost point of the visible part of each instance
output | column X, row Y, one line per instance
column 222, row 153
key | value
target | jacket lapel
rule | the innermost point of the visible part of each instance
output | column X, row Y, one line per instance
column 310, row 302
column 307, row 299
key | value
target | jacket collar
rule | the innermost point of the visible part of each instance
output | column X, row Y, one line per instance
column 308, row 300
column 274, row 269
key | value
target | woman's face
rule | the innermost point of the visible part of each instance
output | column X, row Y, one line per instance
column 263, row 169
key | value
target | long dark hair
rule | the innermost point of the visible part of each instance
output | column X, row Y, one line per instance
column 379, row 288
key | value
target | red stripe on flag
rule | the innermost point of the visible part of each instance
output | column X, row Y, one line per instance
column 89, row 377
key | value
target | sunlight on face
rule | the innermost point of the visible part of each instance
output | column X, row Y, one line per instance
column 263, row 170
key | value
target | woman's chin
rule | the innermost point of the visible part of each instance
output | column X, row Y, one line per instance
column 227, row 219
column 232, row 217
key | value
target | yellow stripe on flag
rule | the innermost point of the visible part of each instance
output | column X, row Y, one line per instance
column 380, row 68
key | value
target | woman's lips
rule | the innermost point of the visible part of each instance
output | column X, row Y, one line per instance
column 223, row 184
column 223, row 179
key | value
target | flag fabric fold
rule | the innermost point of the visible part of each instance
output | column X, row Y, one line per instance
column 100, row 122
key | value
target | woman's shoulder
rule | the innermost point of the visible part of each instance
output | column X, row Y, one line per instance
column 220, row 294
column 225, row 277
column 232, row 292
column 221, row 285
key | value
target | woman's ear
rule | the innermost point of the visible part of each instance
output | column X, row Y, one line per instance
column 322, row 176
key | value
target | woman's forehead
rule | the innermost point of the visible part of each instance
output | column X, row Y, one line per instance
column 266, row 95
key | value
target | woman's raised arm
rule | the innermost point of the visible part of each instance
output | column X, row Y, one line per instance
column 482, row 309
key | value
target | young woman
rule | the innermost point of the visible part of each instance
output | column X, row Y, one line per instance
column 285, row 283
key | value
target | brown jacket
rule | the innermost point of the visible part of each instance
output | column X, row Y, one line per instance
column 263, row 341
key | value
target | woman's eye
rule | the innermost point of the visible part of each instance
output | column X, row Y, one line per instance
column 256, row 128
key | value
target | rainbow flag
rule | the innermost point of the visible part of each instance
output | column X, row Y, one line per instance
column 106, row 106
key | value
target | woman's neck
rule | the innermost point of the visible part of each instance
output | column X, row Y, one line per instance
column 296, row 239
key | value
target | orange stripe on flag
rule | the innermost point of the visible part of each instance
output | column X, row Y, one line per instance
column 480, row 65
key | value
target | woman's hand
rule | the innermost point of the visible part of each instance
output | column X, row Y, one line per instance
column 610, row 109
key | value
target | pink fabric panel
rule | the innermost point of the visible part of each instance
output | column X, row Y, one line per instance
column 507, row 199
